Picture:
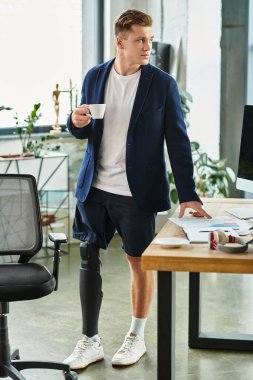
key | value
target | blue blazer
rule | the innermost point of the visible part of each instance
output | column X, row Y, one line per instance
column 156, row 117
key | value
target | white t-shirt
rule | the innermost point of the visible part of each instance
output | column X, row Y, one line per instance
column 120, row 93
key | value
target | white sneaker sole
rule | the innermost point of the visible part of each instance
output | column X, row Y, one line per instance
column 118, row 364
column 82, row 366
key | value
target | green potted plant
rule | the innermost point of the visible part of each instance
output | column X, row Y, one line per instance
column 30, row 145
column 212, row 177
column 25, row 132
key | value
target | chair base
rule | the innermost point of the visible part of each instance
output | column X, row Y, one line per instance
column 13, row 368
column 10, row 365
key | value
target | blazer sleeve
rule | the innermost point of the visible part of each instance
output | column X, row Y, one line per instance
column 80, row 133
column 179, row 147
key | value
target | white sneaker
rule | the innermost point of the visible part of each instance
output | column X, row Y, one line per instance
column 86, row 352
column 130, row 352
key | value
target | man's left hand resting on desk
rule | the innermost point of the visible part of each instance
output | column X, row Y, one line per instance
column 196, row 206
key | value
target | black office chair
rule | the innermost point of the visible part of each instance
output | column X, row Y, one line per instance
column 21, row 238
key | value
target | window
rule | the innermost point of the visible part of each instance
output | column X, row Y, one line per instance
column 40, row 47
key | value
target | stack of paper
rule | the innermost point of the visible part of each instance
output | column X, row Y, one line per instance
column 197, row 229
column 241, row 212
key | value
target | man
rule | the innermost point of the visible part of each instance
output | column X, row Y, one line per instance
column 123, row 182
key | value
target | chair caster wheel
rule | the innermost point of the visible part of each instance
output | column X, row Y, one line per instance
column 70, row 375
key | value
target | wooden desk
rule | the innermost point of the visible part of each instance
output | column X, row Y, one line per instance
column 194, row 258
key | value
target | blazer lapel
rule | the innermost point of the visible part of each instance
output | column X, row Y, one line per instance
column 141, row 94
column 99, row 98
column 101, row 81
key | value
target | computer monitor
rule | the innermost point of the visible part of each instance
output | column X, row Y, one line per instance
column 245, row 168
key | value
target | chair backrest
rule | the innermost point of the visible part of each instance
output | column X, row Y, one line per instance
column 20, row 218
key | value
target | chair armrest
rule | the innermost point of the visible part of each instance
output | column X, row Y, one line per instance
column 58, row 237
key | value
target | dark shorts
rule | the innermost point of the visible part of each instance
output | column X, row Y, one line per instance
column 97, row 219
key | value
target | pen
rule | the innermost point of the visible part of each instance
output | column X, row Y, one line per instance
column 213, row 230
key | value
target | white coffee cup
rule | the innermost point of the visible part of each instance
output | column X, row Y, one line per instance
column 97, row 110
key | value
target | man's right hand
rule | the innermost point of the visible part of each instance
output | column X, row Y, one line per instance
column 81, row 116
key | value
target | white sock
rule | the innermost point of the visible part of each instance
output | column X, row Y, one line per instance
column 137, row 326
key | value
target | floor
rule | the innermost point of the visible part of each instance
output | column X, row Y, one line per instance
column 48, row 328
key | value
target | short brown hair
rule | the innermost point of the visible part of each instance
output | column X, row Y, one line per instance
column 131, row 17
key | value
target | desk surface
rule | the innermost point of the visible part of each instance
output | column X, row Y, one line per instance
column 198, row 257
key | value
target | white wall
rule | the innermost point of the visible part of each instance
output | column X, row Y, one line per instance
column 203, row 73
column 172, row 28
column 196, row 65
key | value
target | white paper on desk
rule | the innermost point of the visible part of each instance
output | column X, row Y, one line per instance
column 197, row 229
column 194, row 235
column 204, row 224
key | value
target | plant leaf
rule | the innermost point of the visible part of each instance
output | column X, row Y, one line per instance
column 174, row 196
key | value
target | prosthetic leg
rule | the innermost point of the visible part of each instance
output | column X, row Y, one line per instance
column 90, row 287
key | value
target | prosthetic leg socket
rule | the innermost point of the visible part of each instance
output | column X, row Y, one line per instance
column 90, row 287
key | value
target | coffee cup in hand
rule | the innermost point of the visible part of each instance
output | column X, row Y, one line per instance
column 97, row 111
